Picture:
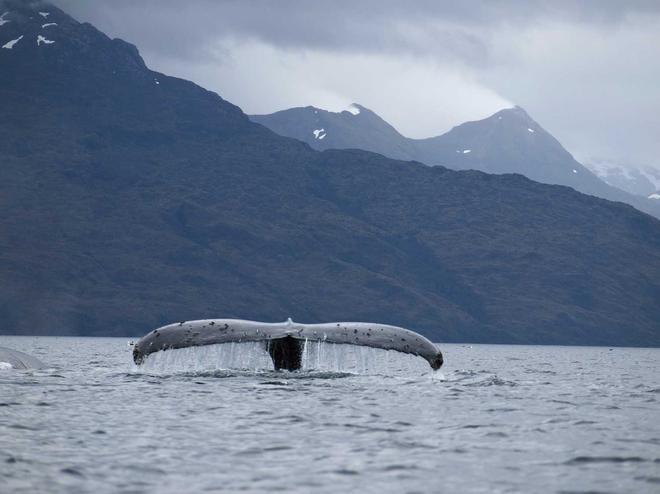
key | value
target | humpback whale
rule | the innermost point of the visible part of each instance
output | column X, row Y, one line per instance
column 285, row 341
column 14, row 359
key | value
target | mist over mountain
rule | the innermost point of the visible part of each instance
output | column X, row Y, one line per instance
column 509, row 141
column 639, row 180
column 132, row 199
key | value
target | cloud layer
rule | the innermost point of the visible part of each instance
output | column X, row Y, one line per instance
column 587, row 71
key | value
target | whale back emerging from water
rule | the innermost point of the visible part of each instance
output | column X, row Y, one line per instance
column 285, row 340
column 14, row 359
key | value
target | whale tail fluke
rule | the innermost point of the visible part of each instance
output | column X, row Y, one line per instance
column 285, row 342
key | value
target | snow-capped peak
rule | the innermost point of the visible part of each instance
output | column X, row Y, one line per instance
column 353, row 109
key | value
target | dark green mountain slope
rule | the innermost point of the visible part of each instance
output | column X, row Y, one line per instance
column 131, row 199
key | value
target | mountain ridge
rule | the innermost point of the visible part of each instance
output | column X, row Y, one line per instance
column 509, row 141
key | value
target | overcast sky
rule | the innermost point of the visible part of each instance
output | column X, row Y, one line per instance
column 589, row 71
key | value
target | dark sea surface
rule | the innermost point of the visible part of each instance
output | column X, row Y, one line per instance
column 493, row 419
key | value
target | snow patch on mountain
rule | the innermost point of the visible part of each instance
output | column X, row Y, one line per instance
column 353, row 109
column 3, row 20
column 10, row 44
column 319, row 133
column 44, row 14
column 604, row 169
column 43, row 26
column 654, row 196
column 41, row 39
column 652, row 175
column 639, row 180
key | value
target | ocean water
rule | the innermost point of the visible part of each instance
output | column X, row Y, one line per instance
column 493, row 419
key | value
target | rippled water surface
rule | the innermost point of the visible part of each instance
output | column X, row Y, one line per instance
column 494, row 419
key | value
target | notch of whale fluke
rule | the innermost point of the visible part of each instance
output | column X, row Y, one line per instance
column 285, row 340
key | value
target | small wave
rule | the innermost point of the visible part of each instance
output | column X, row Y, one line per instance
column 491, row 381
column 579, row 460
column 22, row 427
column 394, row 468
column 276, row 376
column 497, row 434
column 475, row 426
column 649, row 479
column 469, row 373
column 72, row 471
column 346, row 471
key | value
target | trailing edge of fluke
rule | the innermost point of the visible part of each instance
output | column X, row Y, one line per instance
column 285, row 340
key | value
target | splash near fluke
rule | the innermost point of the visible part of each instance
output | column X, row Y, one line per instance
column 285, row 341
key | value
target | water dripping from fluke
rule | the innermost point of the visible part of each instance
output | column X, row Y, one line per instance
column 256, row 346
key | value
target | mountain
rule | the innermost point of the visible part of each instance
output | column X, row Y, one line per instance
column 131, row 199
column 355, row 128
column 639, row 180
column 509, row 141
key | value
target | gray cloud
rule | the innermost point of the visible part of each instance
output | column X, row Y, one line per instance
column 587, row 71
column 422, row 27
